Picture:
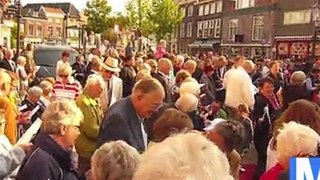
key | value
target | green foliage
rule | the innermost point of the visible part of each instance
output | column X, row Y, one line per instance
column 14, row 36
column 166, row 16
column 98, row 13
column 138, row 12
column 119, row 19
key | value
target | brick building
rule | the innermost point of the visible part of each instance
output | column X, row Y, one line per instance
column 248, row 28
column 294, row 29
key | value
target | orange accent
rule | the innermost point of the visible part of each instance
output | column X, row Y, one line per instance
column 10, row 116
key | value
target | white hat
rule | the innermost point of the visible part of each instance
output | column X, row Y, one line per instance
column 190, row 85
column 111, row 64
column 213, row 124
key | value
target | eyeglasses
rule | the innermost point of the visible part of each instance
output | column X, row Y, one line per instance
column 63, row 76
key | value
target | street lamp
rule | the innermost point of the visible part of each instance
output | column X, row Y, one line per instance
column 315, row 13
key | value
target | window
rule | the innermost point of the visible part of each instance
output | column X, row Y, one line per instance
column 206, row 9
column 240, row 4
column 199, row 30
column 58, row 31
column 200, row 10
column 31, row 30
column 189, row 29
column 217, row 28
column 50, row 31
column 190, row 10
column 257, row 28
column 233, row 27
column 297, row 17
column 219, row 6
column 58, row 21
column 205, row 29
column 183, row 11
column 213, row 8
column 39, row 31
column 182, row 30
column 211, row 28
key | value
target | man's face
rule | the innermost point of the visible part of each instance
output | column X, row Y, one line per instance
column 190, row 68
column 215, row 107
column 149, row 103
column 95, row 90
column 107, row 75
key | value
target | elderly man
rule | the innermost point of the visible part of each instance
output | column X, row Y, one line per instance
column 125, row 119
column 7, row 62
column 90, row 106
column 32, row 102
column 94, row 66
column 164, row 68
column 114, row 87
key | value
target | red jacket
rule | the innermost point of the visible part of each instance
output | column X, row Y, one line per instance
column 272, row 173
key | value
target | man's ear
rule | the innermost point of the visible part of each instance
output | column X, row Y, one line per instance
column 63, row 130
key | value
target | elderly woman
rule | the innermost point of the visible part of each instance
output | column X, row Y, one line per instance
column 114, row 160
column 188, row 103
column 304, row 142
column 295, row 90
column 227, row 135
column 190, row 85
column 171, row 122
column 180, row 77
column 51, row 159
column 296, row 112
column 184, row 156
column 47, row 88
column 66, row 87
column 142, row 74
column 89, row 104
column 23, row 76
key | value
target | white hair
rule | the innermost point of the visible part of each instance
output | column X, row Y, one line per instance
column 190, row 85
column 95, row 79
column 114, row 160
column 180, row 58
column 59, row 112
column 46, row 86
column 35, row 91
column 145, row 66
column 183, row 157
column 303, row 141
column 21, row 60
column 187, row 102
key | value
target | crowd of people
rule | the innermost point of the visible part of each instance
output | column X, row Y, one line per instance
column 122, row 115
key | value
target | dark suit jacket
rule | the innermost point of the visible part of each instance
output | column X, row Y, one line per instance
column 5, row 64
column 122, row 123
column 127, row 75
column 209, row 90
column 162, row 79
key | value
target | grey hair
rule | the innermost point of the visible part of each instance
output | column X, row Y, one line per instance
column 184, row 156
column 46, row 86
column 187, row 102
column 21, row 59
column 298, row 77
column 60, row 112
column 94, row 79
column 114, row 160
column 35, row 91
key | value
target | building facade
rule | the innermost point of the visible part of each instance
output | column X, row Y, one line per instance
column 294, row 30
column 7, row 23
column 248, row 28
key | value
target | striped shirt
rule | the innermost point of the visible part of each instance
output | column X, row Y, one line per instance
column 70, row 90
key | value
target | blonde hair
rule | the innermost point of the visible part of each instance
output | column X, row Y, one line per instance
column 183, row 157
column 114, row 160
column 303, row 140
column 21, row 60
column 298, row 77
column 187, row 102
column 59, row 112
column 65, row 69
column 143, row 74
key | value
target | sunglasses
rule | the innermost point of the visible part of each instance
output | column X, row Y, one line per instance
column 63, row 76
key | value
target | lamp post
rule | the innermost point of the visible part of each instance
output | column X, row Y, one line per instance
column 315, row 13
column 18, row 14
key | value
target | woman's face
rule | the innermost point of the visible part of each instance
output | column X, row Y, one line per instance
column 275, row 68
column 215, row 137
column 64, row 78
column 267, row 89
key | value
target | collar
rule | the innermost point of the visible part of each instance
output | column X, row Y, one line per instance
column 88, row 101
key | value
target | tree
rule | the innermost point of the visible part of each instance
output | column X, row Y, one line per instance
column 120, row 20
column 166, row 16
column 98, row 13
column 138, row 12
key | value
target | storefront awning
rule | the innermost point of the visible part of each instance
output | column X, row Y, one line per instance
column 293, row 38
column 203, row 44
column 246, row 45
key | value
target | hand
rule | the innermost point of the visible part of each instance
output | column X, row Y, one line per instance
column 23, row 118
column 26, row 147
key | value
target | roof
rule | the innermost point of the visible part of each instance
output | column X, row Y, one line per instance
column 53, row 10
column 67, row 8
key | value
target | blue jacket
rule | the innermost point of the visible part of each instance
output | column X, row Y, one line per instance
column 122, row 123
column 47, row 161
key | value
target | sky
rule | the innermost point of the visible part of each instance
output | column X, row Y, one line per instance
column 117, row 5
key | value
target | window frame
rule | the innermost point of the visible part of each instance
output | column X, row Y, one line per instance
column 182, row 30
column 189, row 29
column 201, row 10
column 232, row 29
column 257, row 28
column 190, row 11
column 213, row 7
column 199, row 29
column 217, row 28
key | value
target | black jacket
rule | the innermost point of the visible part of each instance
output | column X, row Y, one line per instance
column 127, row 75
column 5, row 64
column 122, row 123
column 47, row 161
column 291, row 93
column 198, row 122
column 162, row 79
